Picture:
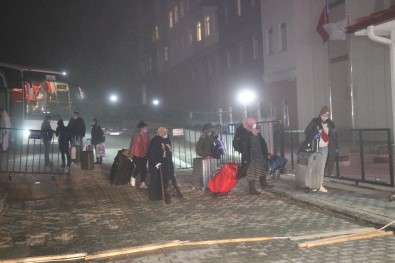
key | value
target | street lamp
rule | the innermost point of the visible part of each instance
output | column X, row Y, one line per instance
column 114, row 98
column 155, row 102
column 246, row 97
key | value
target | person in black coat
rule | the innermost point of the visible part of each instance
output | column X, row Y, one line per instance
column 77, row 129
column 254, row 154
column 97, row 138
column 63, row 140
column 161, row 165
column 321, row 131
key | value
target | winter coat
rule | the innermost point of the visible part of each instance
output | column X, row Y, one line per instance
column 245, row 145
column 97, row 134
column 312, row 130
column 64, row 137
column 77, row 127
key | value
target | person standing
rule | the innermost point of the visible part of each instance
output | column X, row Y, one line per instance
column 63, row 140
column 160, row 165
column 77, row 129
column 42, row 98
column 322, row 129
column 97, row 138
column 5, row 125
column 254, row 154
column 138, row 149
column 46, row 134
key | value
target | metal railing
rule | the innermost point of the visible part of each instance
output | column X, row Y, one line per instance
column 25, row 154
column 364, row 155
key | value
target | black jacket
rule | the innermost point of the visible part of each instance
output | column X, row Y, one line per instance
column 77, row 127
column 64, row 137
column 312, row 130
column 245, row 144
column 97, row 134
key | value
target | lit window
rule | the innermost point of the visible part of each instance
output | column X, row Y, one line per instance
column 190, row 37
column 269, row 41
column 171, row 19
column 175, row 14
column 228, row 59
column 241, row 55
column 199, row 31
column 255, row 47
column 156, row 32
column 238, row 7
column 207, row 25
column 283, row 37
column 166, row 54
column 182, row 8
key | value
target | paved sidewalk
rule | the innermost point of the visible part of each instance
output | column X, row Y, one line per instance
column 81, row 212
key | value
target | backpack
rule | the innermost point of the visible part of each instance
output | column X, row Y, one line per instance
column 236, row 142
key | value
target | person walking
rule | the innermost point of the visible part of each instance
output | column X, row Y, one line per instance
column 97, row 138
column 5, row 125
column 138, row 150
column 322, row 128
column 77, row 129
column 161, row 165
column 64, row 141
column 254, row 154
column 46, row 134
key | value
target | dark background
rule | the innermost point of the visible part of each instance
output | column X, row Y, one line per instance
column 94, row 41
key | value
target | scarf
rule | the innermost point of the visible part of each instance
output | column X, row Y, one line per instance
column 248, row 124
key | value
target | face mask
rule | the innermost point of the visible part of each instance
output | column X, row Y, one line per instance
column 324, row 118
column 145, row 130
column 165, row 136
column 254, row 126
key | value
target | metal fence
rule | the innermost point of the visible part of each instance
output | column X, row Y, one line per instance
column 25, row 154
column 364, row 155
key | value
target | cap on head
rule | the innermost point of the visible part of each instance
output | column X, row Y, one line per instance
column 141, row 124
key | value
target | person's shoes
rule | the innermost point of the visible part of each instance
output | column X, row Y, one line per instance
column 143, row 185
column 62, row 166
column 323, row 190
column 251, row 188
column 132, row 181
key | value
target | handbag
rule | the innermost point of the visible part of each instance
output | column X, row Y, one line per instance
column 275, row 162
column 100, row 150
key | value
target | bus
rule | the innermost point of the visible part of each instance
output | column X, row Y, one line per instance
column 28, row 94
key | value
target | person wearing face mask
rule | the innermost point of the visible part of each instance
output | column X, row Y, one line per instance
column 321, row 130
column 254, row 154
column 138, row 149
column 161, row 165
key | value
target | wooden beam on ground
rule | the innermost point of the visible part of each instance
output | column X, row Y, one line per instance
column 332, row 233
column 345, row 238
column 62, row 258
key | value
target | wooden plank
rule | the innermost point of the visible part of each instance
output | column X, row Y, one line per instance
column 65, row 257
column 332, row 233
column 345, row 238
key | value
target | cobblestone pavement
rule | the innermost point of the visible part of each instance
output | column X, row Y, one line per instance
column 81, row 212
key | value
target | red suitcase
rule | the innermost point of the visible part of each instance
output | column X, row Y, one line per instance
column 225, row 179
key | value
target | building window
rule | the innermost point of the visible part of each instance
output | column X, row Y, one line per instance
column 171, row 22
column 182, row 8
column 166, row 54
column 241, row 55
column 255, row 47
column 207, row 25
column 175, row 14
column 238, row 7
column 283, row 36
column 156, row 32
column 198, row 31
column 269, row 41
column 190, row 37
column 228, row 59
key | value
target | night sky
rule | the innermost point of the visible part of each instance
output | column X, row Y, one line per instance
column 93, row 40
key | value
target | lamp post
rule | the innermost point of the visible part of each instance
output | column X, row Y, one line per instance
column 246, row 97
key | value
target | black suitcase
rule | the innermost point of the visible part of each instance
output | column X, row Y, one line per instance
column 87, row 162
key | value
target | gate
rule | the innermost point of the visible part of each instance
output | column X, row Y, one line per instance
column 25, row 154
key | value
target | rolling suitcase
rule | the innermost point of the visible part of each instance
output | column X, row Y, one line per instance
column 87, row 162
column 309, row 170
column 203, row 171
column 225, row 179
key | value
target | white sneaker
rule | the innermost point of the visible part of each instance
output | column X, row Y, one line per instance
column 133, row 181
column 323, row 189
column 143, row 185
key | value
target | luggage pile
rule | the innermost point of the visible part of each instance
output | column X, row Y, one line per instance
column 225, row 179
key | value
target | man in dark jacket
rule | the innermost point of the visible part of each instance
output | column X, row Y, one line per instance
column 46, row 135
column 77, row 129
